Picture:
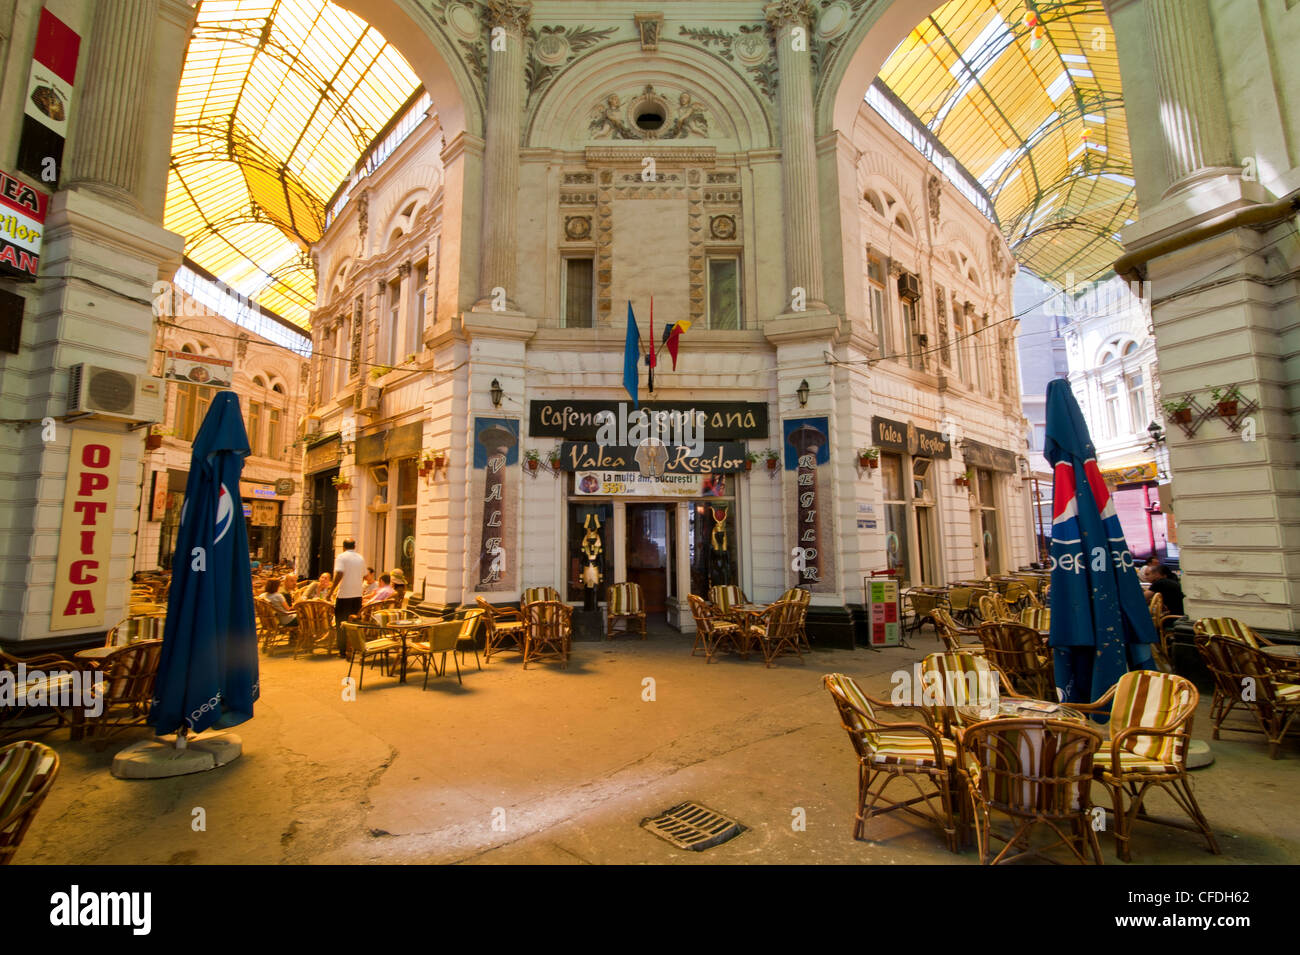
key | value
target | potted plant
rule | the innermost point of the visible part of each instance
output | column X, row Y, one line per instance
column 379, row 371
column 533, row 459
column 439, row 459
column 340, row 482
column 426, row 464
column 553, row 458
column 1180, row 410
column 1226, row 399
column 153, row 440
column 964, row 479
column 868, row 458
column 750, row 458
column 773, row 458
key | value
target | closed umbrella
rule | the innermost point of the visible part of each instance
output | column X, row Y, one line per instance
column 207, row 674
column 1100, row 624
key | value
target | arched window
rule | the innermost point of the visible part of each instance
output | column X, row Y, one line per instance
column 1130, row 349
column 874, row 201
column 278, row 388
column 257, row 380
column 900, row 220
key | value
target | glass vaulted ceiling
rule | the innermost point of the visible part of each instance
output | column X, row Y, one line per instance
column 278, row 100
column 1038, row 121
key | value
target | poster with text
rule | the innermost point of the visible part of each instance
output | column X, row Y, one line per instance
column 495, row 562
column 806, row 446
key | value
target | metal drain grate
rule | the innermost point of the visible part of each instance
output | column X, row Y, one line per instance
column 692, row 826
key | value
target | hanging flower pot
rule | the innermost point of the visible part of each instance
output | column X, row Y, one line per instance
column 439, row 460
column 152, row 442
column 873, row 463
column 1183, row 415
column 749, row 465
column 533, row 464
column 771, row 464
column 1227, row 409
column 425, row 467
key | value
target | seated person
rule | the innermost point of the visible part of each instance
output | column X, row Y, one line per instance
column 368, row 582
column 320, row 590
column 1171, row 591
column 399, row 584
column 384, row 591
column 1147, row 572
column 283, row 613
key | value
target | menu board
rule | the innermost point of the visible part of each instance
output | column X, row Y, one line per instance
column 883, row 602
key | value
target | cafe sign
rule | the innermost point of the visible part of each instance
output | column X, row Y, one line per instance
column 716, row 458
column 86, row 536
column 581, row 420
column 977, row 455
column 907, row 438
column 325, row 455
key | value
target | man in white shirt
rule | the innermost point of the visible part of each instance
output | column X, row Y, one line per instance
column 349, row 579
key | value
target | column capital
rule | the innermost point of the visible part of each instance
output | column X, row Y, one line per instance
column 514, row 15
column 788, row 13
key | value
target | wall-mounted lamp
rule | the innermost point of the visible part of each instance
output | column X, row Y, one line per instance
column 497, row 393
column 802, row 392
column 1157, row 434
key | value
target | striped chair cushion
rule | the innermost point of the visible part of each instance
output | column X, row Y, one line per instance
column 797, row 594
column 1149, row 698
column 961, row 678
column 1287, row 692
column 24, row 769
column 906, row 749
column 1019, row 761
column 625, row 600
column 1228, row 627
column 534, row 594
column 725, row 596
column 1040, row 618
column 469, row 623
column 1136, row 763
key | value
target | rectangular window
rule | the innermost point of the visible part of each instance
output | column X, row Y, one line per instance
column 579, row 293
column 191, row 407
column 255, row 427
column 908, row 310
column 977, row 354
column 876, row 292
column 724, row 293
column 394, row 322
column 273, row 449
column 896, row 529
column 339, row 358
column 990, row 545
column 960, row 344
column 1110, row 399
column 415, row 342
column 1137, row 402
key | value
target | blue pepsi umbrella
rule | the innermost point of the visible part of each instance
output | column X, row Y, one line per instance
column 207, row 674
column 1101, row 627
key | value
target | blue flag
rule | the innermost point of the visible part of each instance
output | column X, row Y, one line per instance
column 1101, row 627
column 207, row 674
column 632, row 357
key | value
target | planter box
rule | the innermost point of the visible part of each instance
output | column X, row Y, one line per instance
column 1227, row 409
column 1183, row 415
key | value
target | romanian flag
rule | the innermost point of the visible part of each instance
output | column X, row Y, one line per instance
column 672, row 332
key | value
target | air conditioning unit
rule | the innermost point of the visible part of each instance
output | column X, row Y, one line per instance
column 311, row 426
column 368, row 399
column 110, row 393
column 909, row 286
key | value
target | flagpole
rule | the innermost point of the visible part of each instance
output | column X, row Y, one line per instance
column 652, row 346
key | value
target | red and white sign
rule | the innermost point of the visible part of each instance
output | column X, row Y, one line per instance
column 200, row 369
column 22, row 223
column 47, row 107
column 86, row 539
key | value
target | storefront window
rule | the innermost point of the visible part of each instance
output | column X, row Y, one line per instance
column 596, row 518
column 407, row 495
column 990, row 544
column 897, row 553
column 713, row 552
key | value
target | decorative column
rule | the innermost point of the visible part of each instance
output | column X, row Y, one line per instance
column 506, row 21
column 109, row 131
column 790, row 24
column 1193, row 114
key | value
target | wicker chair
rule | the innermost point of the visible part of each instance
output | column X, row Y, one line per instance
column 923, row 606
column 269, row 627
column 55, row 674
column 1149, row 729
column 315, row 627
column 953, row 684
column 1234, row 666
column 367, row 612
column 130, row 673
column 625, row 602
column 1019, row 653
column 711, row 632
column 27, row 771
column 777, row 630
column 441, row 638
column 1161, row 619
column 505, row 629
column 1039, row 773
column 803, row 598
column 725, row 597
column 891, row 751
column 993, row 609
column 470, row 621
column 359, row 647
column 955, row 637
column 962, row 606
column 548, row 631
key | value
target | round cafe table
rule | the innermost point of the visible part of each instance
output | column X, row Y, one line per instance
column 1012, row 708
column 1288, row 651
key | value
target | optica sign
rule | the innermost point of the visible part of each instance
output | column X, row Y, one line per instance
column 22, row 224
column 86, row 538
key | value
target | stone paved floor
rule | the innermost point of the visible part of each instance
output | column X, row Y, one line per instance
column 555, row 766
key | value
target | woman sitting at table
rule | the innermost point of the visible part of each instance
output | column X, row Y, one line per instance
column 321, row 589
column 384, row 591
column 283, row 613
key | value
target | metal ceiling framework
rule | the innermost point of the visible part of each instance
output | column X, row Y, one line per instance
column 278, row 100
column 1026, row 96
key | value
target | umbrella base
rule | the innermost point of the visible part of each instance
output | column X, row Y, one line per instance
column 159, row 758
column 1198, row 754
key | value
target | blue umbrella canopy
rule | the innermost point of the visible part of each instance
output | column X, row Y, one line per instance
column 207, row 675
column 1101, row 627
